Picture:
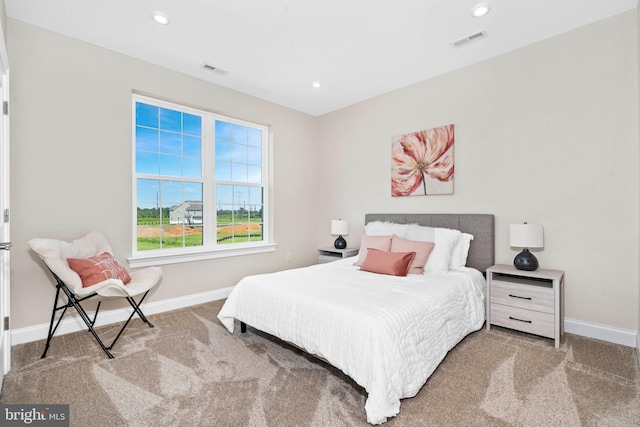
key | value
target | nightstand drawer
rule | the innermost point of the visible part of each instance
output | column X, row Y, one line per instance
column 532, row 322
column 529, row 297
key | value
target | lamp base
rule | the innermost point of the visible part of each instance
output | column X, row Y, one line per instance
column 525, row 260
column 340, row 243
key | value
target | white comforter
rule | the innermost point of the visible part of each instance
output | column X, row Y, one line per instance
column 387, row 333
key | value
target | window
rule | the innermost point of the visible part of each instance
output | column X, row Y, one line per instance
column 200, row 184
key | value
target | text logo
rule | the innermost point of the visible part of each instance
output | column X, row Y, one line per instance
column 34, row 415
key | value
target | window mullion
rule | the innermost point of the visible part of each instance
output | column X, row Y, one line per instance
column 209, row 186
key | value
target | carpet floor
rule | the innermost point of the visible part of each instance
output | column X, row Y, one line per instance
column 189, row 371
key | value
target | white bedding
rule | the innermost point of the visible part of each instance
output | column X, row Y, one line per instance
column 387, row 333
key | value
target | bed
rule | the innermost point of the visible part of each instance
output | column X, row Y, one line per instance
column 387, row 333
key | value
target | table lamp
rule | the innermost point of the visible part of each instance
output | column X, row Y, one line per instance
column 526, row 236
column 339, row 227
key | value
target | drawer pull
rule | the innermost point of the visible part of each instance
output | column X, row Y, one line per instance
column 519, row 320
column 516, row 296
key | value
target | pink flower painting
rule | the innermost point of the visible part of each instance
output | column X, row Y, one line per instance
column 422, row 162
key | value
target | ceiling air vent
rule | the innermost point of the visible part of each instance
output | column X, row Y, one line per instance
column 468, row 39
column 217, row 70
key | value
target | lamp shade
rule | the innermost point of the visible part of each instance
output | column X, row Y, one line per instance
column 526, row 235
column 339, row 227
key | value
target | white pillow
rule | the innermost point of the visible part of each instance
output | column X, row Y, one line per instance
column 460, row 251
column 379, row 228
column 421, row 233
column 440, row 257
column 444, row 239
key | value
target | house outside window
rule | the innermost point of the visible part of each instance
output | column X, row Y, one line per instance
column 200, row 184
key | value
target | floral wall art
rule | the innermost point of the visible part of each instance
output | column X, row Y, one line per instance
column 422, row 162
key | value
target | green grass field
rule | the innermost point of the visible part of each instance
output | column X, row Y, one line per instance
column 150, row 220
column 151, row 243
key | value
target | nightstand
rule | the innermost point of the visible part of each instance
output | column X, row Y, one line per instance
column 330, row 253
column 527, row 301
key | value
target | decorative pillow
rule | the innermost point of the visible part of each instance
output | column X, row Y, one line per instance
column 422, row 250
column 386, row 228
column 98, row 268
column 460, row 251
column 382, row 243
column 391, row 263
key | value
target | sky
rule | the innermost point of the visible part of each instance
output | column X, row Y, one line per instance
column 170, row 143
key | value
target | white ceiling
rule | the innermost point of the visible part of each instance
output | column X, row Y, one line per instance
column 274, row 49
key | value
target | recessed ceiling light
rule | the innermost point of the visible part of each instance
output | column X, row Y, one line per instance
column 480, row 10
column 316, row 84
column 160, row 18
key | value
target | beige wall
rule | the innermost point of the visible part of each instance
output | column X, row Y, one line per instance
column 546, row 134
column 71, row 162
column 558, row 118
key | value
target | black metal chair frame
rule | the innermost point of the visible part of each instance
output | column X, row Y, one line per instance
column 73, row 301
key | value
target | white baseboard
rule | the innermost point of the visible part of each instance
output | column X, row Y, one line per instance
column 73, row 323
column 601, row 332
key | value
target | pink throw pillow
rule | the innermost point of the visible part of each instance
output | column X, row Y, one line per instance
column 391, row 263
column 98, row 268
column 422, row 250
column 382, row 243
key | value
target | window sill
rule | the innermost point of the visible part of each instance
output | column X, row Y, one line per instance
column 173, row 257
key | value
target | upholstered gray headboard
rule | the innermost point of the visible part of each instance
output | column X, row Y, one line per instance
column 482, row 226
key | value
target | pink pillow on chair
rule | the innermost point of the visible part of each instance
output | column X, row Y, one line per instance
column 98, row 268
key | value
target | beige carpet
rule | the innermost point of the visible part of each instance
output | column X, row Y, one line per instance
column 189, row 371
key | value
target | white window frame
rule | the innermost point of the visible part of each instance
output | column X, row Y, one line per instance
column 207, row 251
